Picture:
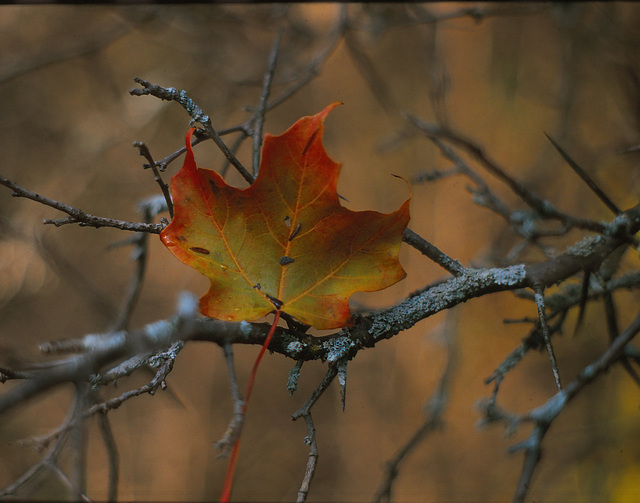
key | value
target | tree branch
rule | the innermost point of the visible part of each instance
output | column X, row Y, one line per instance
column 367, row 331
column 544, row 415
column 196, row 113
column 544, row 208
column 262, row 104
column 78, row 216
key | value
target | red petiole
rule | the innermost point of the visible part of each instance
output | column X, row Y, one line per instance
column 228, row 478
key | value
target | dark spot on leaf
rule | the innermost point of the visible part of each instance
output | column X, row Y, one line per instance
column 197, row 249
column 306, row 147
column 257, row 286
column 182, row 238
column 295, row 231
column 276, row 302
column 287, row 221
column 285, row 260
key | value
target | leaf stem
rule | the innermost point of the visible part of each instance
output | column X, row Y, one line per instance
column 228, row 478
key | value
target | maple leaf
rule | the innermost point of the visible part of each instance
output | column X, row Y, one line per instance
column 286, row 241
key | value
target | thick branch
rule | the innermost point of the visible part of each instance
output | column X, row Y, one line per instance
column 367, row 331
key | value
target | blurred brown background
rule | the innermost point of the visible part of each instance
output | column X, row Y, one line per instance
column 67, row 123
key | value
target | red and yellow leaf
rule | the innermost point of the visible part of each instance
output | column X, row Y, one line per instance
column 286, row 241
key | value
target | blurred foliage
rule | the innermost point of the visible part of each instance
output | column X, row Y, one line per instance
column 500, row 73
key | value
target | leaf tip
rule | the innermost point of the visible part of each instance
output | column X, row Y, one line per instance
column 407, row 182
column 322, row 115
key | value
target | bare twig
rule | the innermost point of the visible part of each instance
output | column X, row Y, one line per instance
column 368, row 331
column 586, row 178
column 544, row 415
column 7, row 374
column 533, row 453
column 112, row 456
column 429, row 250
column 225, row 444
column 79, row 495
column 310, row 439
column 483, row 196
column 143, row 150
column 151, row 387
column 433, row 417
column 544, row 208
column 533, row 340
column 78, row 444
column 48, row 460
column 149, row 208
column 78, row 216
column 66, row 48
column 262, row 104
column 102, row 408
column 234, row 148
column 544, row 327
column 317, row 393
column 368, row 71
column 313, row 69
column 140, row 255
column 196, row 113
column 312, row 459
column 100, row 350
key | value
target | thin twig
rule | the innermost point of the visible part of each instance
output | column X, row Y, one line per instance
column 47, row 460
column 78, row 216
column 368, row 71
column 533, row 453
column 433, row 418
column 429, row 250
column 586, row 178
column 544, row 208
column 533, row 340
column 312, row 459
column 544, row 327
column 196, row 113
column 310, row 439
column 150, row 388
column 102, row 408
column 78, row 444
column 68, row 48
column 332, row 371
column 229, row 476
column 244, row 128
column 80, row 495
column 234, row 148
column 149, row 208
column 143, row 150
column 303, row 78
column 112, row 456
column 225, row 444
column 259, row 115
column 313, row 69
column 544, row 415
